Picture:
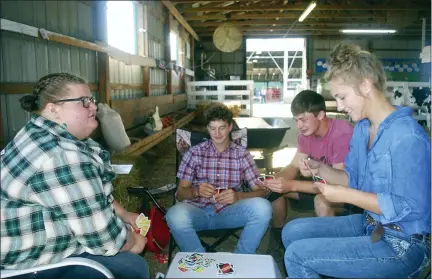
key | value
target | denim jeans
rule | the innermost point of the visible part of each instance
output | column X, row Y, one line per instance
column 254, row 214
column 341, row 247
column 124, row 265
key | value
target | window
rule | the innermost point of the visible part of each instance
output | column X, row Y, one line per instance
column 173, row 46
column 121, row 26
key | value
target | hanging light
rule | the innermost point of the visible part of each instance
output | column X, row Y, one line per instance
column 306, row 12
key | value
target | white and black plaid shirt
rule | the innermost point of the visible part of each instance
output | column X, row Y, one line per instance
column 56, row 198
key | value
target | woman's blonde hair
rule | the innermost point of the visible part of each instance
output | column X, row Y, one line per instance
column 353, row 65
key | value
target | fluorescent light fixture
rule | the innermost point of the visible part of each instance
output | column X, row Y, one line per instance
column 254, row 60
column 367, row 31
column 306, row 12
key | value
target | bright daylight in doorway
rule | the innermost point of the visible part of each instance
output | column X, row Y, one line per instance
column 121, row 25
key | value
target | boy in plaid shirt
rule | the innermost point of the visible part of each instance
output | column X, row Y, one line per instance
column 218, row 163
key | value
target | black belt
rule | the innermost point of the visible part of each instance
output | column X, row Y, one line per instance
column 395, row 227
column 371, row 221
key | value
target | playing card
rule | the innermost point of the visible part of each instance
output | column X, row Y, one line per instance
column 143, row 224
column 224, row 268
column 220, row 190
column 263, row 178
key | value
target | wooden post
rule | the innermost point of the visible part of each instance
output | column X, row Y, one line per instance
column 168, row 50
column 101, row 33
column 192, row 47
column 146, row 72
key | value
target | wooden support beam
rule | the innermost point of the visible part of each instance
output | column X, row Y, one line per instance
column 22, row 88
column 104, row 78
column 126, row 86
column 180, row 18
column 261, row 7
column 280, row 16
column 146, row 80
column 277, row 23
column 147, row 143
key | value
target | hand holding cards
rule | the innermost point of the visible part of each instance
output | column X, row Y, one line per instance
column 143, row 224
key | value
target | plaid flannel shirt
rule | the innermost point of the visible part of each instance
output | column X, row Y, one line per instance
column 56, row 198
column 203, row 164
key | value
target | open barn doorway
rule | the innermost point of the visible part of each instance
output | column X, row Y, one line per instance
column 278, row 69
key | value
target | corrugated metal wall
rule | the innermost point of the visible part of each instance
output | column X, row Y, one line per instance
column 156, row 45
column 120, row 73
column 25, row 59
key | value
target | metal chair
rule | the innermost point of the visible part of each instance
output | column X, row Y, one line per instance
column 185, row 140
column 7, row 273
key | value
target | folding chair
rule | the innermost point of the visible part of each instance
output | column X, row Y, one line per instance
column 184, row 140
column 66, row 262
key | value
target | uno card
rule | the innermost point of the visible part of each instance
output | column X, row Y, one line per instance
column 264, row 178
column 220, row 190
column 317, row 178
column 143, row 224
column 224, row 268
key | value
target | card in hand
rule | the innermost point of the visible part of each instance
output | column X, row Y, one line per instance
column 220, row 190
column 264, row 178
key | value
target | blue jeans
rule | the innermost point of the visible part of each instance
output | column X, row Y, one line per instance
column 124, row 265
column 341, row 247
column 254, row 214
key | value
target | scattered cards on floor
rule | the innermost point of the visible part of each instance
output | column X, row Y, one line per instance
column 143, row 224
column 194, row 262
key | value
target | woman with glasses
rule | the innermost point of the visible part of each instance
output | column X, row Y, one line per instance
column 56, row 191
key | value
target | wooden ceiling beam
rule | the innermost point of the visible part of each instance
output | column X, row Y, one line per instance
column 194, row 1
column 302, row 8
column 286, row 16
column 275, row 28
column 173, row 10
column 275, row 22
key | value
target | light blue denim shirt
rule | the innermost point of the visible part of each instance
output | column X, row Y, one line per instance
column 397, row 168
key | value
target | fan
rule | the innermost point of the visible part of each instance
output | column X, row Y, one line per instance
column 227, row 37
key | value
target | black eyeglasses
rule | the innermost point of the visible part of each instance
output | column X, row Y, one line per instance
column 86, row 100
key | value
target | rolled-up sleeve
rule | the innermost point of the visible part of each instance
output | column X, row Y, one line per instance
column 351, row 161
column 186, row 169
column 409, row 193
column 74, row 193
column 250, row 169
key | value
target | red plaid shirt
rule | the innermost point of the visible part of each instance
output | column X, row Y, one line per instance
column 203, row 164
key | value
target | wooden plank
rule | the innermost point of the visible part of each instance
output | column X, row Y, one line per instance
column 276, row 22
column 157, row 86
column 180, row 18
column 16, row 27
column 259, row 7
column 147, row 143
column 146, row 80
column 115, row 53
column 104, row 78
column 288, row 15
column 21, row 88
column 135, row 111
column 126, row 86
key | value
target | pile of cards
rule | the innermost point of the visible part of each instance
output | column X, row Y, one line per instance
column 143, row 224
column 225, row 269
column 195, row 262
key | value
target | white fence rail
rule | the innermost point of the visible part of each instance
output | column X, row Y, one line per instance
column 227, row 92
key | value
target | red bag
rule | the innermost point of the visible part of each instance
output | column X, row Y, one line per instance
column 158, row 235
